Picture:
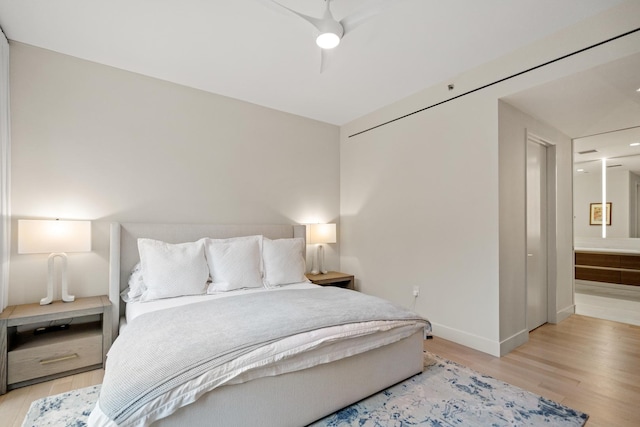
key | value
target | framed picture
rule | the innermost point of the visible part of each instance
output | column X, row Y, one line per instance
column 596, row 214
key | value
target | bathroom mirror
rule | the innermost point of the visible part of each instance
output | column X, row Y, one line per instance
column 618, row 180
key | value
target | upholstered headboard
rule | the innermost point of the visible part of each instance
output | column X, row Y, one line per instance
column 124, row 247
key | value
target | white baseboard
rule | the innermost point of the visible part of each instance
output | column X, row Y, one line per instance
column 485, row 345
column 469, row 340
column 513, row 341
column 564, row 313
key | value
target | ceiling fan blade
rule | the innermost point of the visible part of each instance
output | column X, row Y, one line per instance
column 328, row 60
column 324, row 55
column 362, row 15
column 274, row 5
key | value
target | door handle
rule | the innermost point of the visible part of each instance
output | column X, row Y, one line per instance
column 529, row 255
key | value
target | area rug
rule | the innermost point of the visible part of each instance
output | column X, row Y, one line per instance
column 446, row 394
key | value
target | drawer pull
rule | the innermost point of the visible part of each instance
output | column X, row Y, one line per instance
column 59, row 359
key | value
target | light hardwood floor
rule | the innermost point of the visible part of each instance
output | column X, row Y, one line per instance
column 588, row 364
column 15, row 404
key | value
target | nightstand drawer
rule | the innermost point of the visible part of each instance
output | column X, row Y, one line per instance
column 49, row 357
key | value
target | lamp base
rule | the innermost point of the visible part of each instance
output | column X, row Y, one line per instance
column 318, row 261
column 321, row 266
column 65, row 294
column 49, row 298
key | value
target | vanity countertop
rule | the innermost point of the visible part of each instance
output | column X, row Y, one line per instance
column 609, row 250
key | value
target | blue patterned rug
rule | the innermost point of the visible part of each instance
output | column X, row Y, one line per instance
column 446, row 394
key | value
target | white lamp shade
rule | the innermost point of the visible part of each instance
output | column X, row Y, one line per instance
column 322, row 233
column 49, row 236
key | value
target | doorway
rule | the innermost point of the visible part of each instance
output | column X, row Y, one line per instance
column 537, row 232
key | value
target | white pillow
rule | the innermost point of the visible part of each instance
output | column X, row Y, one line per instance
column 283, row 261
column 234, row 263
column 172, row 270
column 136, row 285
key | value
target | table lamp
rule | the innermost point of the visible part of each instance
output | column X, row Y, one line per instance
column 319, row 234
column 56, row 238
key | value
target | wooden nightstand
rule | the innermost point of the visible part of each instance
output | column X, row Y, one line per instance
column 333, row 278
column 27, row 358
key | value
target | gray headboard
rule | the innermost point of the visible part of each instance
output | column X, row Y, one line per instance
column 124, row 247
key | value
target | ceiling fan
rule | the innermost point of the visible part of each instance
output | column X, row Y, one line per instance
column 330, row 31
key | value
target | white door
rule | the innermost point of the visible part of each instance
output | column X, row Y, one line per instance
column 536, row 235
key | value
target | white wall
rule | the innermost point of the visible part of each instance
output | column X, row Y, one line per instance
column 587, row 189
column 620, row 192
column 414, row 211
column 98, row 143
column 425, row 200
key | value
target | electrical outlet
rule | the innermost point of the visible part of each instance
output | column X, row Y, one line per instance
column 416, row 291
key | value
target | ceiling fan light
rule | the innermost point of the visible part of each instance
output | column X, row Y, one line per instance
column 328, row 40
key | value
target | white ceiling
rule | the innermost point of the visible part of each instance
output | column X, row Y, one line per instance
column 249, row 51
column 599, row 108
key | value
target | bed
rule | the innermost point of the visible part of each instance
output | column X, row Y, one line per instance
column 291, row 380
